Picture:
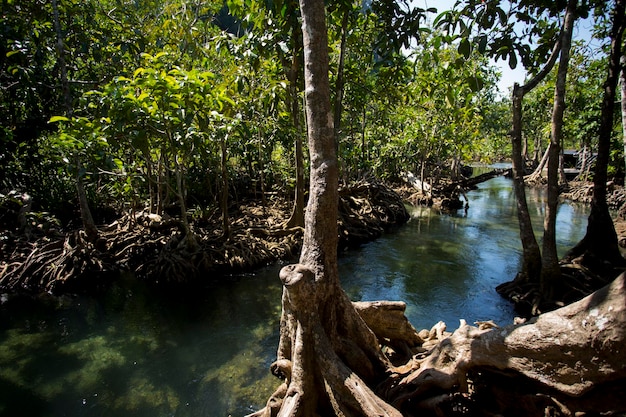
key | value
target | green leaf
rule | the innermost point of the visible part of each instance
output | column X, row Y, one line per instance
column 450, row 98
column 482, row 44
column 55, row 119
column 465, row 48
column 512, row 60
column 475, row 84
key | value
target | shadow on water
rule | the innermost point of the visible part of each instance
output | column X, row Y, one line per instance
column 136, row 352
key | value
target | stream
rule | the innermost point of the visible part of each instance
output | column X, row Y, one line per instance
column 136, row 352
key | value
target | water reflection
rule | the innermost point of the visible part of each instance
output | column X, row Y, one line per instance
column 446, row 266
column 134, row 352
column 138, row 353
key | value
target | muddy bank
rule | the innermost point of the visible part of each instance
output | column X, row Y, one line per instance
column 39, row 256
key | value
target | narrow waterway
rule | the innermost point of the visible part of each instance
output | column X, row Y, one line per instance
column 134, row 352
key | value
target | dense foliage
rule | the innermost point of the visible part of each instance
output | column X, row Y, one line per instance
column 174, row 105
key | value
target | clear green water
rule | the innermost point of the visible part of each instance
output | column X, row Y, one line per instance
column 134, row 352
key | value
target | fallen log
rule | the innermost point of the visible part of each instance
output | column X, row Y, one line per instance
column 468, row 183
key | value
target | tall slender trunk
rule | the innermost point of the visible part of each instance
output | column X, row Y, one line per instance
column 531, row 262
column 85, row 213
column 261, row 169
column 537, row 150
column 180, row 195
column 293, row 75
column 340, row 72
column 224, row 194
column 550, row 270
column 600, row 241
column 319, row 248
column 364, row 156
column 531, row 256
column 60, row 48
column 622, row 81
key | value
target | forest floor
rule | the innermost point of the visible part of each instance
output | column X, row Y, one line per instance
column 41, row 257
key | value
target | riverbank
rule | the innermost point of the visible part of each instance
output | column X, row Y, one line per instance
column 582, row 192
column 134, row 351
column 39, row 258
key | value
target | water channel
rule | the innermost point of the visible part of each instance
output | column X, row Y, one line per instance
column 134, row 352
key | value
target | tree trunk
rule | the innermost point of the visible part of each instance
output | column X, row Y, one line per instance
column 65, row 84
column 622, row 81
column 180, row 195
column 531, row 261
column 224, row 187
column 537, row 149
column 550, row 270
column 261, row 168
column 364, row 155
column 297, row 215
column 326, row 354
column 339, row 85
column 600, row 242
column 85, row 213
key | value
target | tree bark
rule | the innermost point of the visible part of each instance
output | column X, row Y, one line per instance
column 550, row 270
column 91, row 231
column 297, row 215
column 531, row 256
column 326, row 354
column 224, row 186
column 65, row 84
column 85, row 213
column 340, row 82
column 572, row 358
column 531, row 261
column 622, row 82
column 600, row 242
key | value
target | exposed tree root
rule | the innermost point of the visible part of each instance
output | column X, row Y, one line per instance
column 536, row 179
column 367, row 210
column 327, row 355
column 447, row 195
column 582, row 192
column 571, row 361
column 155, row 249
column 582, row 275
column 579, row 278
